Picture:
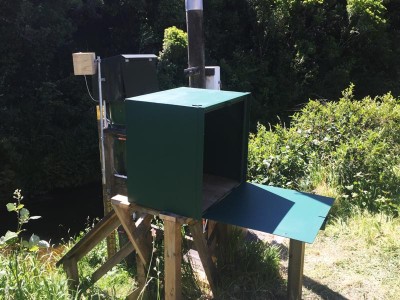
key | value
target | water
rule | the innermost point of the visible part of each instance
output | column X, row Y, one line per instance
column 64, row 213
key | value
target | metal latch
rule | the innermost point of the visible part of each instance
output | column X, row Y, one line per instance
column 192, row 71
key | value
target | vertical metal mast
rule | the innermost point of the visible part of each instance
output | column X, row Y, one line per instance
column 194, row 21
column 102, row 114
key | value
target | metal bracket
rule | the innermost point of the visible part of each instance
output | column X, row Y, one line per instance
column 193, row 71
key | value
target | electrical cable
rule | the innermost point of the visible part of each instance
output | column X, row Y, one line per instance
column 87, row 87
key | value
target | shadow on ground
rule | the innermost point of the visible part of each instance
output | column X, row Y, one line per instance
column 321, row 290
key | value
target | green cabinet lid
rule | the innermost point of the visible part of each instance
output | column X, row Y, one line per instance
column 191, row 97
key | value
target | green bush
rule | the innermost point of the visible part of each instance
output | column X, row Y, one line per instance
column 173, row 58
column 348, row 149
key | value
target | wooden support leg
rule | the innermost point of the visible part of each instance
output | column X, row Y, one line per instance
column 204, row 253
column 71, row 268
column 111, row 262
column 222, row 234
column 141, row 276
column 173, row 258
column 295, row 272
column 141, row 269
column 124, row 213
column 211, row 236
column 107, row 184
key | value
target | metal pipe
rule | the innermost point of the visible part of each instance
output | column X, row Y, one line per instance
column 194, row 21
column 103, row 163
column 194, row 5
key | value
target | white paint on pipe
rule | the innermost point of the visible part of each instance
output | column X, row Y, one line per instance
column 194, row 5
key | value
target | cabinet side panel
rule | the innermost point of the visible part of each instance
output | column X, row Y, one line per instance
column 162, row 157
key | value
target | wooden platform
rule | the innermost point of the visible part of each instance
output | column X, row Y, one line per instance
column 216, row 188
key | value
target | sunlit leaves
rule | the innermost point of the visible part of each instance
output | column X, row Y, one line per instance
column 23, row 217
column 350, row 148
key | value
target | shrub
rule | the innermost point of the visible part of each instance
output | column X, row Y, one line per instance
column 173, row 58
column 348, row 149
column 24, row 269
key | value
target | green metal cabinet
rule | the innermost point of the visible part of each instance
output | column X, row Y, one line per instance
column 187, row 148
column 187, row 154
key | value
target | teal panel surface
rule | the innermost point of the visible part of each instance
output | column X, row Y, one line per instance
column 192, row 97
column 176, row 136
column 164, row 146
column 282, row 212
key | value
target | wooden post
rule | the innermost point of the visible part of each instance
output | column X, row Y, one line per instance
column 204, row 253
column 92, row 238
column 109, row 166
column 136, row 237
column 222, row 236
column 71, row 268
column 173, row 258
column 212, row 229
column 295, row 272
column 141, row 272
column 111, row 262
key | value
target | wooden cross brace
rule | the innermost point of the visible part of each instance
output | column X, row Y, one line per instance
column 172, row 244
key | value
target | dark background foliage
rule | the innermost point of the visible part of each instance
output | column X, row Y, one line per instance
column 283, row 51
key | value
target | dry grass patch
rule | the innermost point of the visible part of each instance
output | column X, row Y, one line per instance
column 355, row 259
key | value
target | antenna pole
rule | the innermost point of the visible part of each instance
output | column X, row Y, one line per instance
column 196, row 61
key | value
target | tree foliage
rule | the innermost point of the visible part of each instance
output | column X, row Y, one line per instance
column 349, row 149
column 282, row 51
column 173, row 58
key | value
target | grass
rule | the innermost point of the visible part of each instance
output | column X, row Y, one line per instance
column 247, row 269
column 357, row 258
column 25, row 275
column 116, row 284
column 354, row 258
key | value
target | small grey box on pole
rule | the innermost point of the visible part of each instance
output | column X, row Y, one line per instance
column 196, row 61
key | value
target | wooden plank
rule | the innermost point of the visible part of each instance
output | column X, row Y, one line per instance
column 215, row 188
column 222, row 234
column 71, row 268
column 93, row 237
column 175, row 218
column 119, row 185
column 111, row 262
column 295, row 272
column 204, row 253
column 121, row 200
column 141, row 269
column 173, row 259
column 141, row 277
column 124, row 213
column 107, row 188
column 212, row 230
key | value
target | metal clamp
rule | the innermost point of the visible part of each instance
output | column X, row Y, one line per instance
column 192, row 71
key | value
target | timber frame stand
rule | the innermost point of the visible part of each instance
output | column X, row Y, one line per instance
column 140, row 241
